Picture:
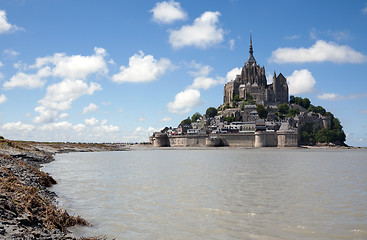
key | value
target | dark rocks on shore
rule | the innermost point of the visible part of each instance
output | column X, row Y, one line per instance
column 27, row 207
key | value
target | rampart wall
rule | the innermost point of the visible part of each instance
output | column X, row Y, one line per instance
column 256, row 139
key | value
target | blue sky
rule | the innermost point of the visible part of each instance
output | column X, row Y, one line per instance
column 115, row 71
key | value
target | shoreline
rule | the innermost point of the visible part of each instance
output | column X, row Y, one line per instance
column 27, row 206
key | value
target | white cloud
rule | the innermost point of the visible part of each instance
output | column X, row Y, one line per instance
column 205, row 82
column 142, row 69
column 60, row 96
column 185, row 101
column 364, row 10
column 3, row 99
column 334, row 96
column 293, row 37
column 328, row 96
column 1, row 64
column 79, row 127
column 203, row 33
column 61, row 66
column 90, row 108
column 76, row 66
column 301, row 81
column 231, row 44
column 63, row 115
column 141, row 134
column 91, row 121
column 202, row 80
column 17, row 126
column 11, row 53
column 321, row 51
column 166, row 119
column 141, row 119
column 6, row 27
column 64, row 131
column 231, row 75
column 29, row 81
column 168, row 12
column 106, row 129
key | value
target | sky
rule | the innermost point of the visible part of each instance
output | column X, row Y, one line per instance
column 116, row 71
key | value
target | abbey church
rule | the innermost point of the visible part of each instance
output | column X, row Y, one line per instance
column 252, row 81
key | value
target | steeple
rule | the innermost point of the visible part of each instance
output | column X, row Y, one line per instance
column 251, row 58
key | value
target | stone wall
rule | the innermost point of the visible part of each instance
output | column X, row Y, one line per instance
column 238, row 140
column 287, row 139
column 265, row 139
column 198, row 140
column 257, row 139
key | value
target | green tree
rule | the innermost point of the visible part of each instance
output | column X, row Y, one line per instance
column 186, row 121
column 298, row 101
column 211, row 112
column 283, row 108
column 306, row 103
column 292, row 99
column 236, row 98
column 293, row 112
column 262, row 111
column 195, row 117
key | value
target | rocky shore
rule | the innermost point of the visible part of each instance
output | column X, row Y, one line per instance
column 27, row 208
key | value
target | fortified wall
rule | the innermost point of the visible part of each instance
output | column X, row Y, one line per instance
column 249, row 140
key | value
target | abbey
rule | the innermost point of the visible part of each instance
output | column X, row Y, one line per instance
column 252, row 81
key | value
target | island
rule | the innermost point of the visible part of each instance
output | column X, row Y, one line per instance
column 255, row 114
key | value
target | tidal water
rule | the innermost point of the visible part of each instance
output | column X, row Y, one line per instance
column 216, row 194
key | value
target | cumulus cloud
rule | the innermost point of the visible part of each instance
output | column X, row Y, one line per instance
column 203, row 33
column 142, row 69
column 168, row 12
column 90, row 108
column 231, row 75
column 5, row 26
column 60, row 66
column 204, row 83
column 63, row 131
column 301, row 81
column 28, row 81
column 75, row 66
column 91, row 121
column 334, row 96
column 202, row 79
column 185, row 101
column 321, row 51
column 142, row 134
column 17, row 126
column 3, row 99
column 60, row 96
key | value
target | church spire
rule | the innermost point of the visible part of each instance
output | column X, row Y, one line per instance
column 251, row 58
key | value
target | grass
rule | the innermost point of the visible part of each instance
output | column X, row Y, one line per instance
column 27, row 199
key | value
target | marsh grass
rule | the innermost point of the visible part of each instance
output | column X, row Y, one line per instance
column 27, row 200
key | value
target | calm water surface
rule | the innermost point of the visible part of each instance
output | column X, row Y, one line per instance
column 216, row 194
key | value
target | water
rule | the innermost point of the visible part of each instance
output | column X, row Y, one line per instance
column 216, row 194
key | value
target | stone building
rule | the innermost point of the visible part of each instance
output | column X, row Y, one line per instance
column 252, row 81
